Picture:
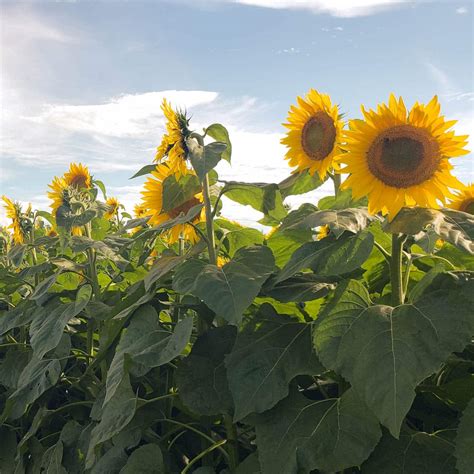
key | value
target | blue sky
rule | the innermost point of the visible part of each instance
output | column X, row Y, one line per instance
column 83, row 81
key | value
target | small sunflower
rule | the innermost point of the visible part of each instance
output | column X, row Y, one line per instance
column 315, row 132
column 464, row 200
column 58, row 196
column 51, row 232
column 323, row 232
column 173, row 142
column 13, row 210
column 153, row 201
column 221, row 261
column 399, row 158
column 139, row 211
column 113, row 206
column 78, row 176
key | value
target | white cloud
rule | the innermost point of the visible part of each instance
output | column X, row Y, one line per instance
column 461, row 10
column 338, row 8
column 441, row 78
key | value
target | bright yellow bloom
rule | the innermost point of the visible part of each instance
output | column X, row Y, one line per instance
column 78, row 176
column 14, row 213
column 221, row 261
column 323, row 232
column 399, row 158
column 464, row 200
column 139, row 211
column 272, row 231
column 315, row 132
column 113, row 206
column 152, row 200
column 173, row 142
column 51, row 232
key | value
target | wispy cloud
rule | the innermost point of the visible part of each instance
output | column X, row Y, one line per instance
column 339, row 8
column 442, row 79
column 461, row 10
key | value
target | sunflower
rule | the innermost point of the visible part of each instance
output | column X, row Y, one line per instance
column 464, row 200
column 78, row 176
column 323, row 232
column 58, row 196
column 153, row 201
column 139, row 211
column 399, row 158
column 113, row 206
column 315, row 132
column 51, row 232
column 173, row 142
column 14, row 213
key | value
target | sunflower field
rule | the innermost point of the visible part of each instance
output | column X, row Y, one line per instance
column 178, row 341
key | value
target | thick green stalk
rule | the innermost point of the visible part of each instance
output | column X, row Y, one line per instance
column 211, row 243
column 396, row 273
column 336, row 178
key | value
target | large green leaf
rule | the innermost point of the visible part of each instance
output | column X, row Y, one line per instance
column 271, row 350
column 417, row 453
column 229, row 290
column 52, row 457
column 298, row 289
column 285, row 242
column 7, row 449
column 145, row 460
column 300, row 435
column 147, row 169
column 37, row 377
column 204, row 158
column 46, row 331
column 343, row 200
column 146, row 343
column 453, row 226
column 264, row 197
column 236, row 236
column 201, row 377
column 354, row 220
column 176, row 192
column 329, row 256
column 19, row 316
column 220, row 133
column 115, row 416
column 385, row 352
column 299, row 183
column 465, row 440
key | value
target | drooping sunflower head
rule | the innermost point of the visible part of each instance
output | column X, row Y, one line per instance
column 112, row 207
column 57, row 193
column 315, row 132
column 78, row 176
column 399, row 158
column 173, row 143
column 152, row 201
column 464, row 200
column 13, row 211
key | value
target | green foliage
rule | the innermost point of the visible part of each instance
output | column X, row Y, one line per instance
column 122, row 351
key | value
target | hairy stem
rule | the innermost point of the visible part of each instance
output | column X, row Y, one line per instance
column 396, row 273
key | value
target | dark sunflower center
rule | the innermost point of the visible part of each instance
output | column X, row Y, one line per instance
column 79, row 181
column 183, row 208
column 318, row 136
column 468, row 206
column 403, row 156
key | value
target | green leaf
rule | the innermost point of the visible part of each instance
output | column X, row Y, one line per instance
column 271, row 350
column 37, row 377
column 110, row 463
column 46, row 331
column 284, row 243
column 220, row 133
column 12, row 365
column 229, row 290
column 116, row 415
column 44, row 286
column 147, row 344
column 7, row 449
column 386, row 352
column 297, row 289
column 418, row 453
column 354, row 220
column 160, row 268
column 51, row 461
column 204, row 158
column 343, row 200
column 263, row 197
column 101, row 186
column 178, row 192
column 147, row 169
column 453, row 226
column 300, row 435
column 145, row 460
column 299, row 183
column 19, row 316
column 16, row 254
column 236, row 236
column 67, row 219
column 465, row 440
column 330, row 257
column 201, row 377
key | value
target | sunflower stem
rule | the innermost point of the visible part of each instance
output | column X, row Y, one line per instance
column 396, row 272
column 336, row 178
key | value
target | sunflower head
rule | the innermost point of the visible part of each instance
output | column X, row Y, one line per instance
column 51, row 232
column 173, row 143
column 314, row 134
column 464, row 200
column 323, row 232
column 78, row 176
column 399, row 158
column 152, row 201
column 221, row 261
column 58, row 193
column 139, row 211
column 13, row 211
column 112, row 207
